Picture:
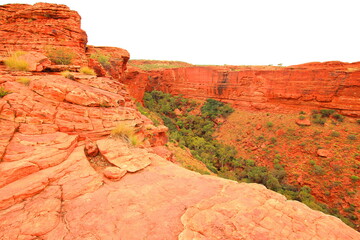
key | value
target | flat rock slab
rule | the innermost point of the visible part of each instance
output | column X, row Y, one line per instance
column 117, row 152
column 303, row 122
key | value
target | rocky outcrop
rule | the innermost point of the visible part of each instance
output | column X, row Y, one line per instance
column 90, row 107
column 332, row 85
column 71, row 200
column 39, row 27
column 55, row 185
column 108, row 61
column 63, row 177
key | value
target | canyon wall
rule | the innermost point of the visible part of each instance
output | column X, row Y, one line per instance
column 332, row 85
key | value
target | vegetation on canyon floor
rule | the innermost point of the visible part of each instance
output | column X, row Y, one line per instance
column 193, row 126
column 332, row 178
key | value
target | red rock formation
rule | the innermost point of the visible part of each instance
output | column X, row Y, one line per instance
column 50, row 189
column 116, row 64
column 335, row 86
column 37, row 27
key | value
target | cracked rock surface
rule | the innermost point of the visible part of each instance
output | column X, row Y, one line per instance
column 49, row 189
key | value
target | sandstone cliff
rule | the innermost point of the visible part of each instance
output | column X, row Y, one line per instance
column 332, row 85
column 63, row 177
column 40, row 26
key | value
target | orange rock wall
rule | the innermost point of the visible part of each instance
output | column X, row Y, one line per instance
column 278, row 89
column 35, row 27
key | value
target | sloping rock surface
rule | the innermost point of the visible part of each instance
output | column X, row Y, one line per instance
column 50, row 189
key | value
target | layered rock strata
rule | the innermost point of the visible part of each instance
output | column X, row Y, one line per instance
column 333, row 85
column 39, row 27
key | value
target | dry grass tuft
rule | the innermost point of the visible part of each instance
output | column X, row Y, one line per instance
column 24, row 80
column 87, row 71
column 15, row 63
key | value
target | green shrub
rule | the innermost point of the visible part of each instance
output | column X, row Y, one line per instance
column 302, row 113
column 87, row 71
column 313, row 112
column 354, row 178
column 327, row 112
column 104, row 60
column 338, row 117
column 269, row 124
column 24, row 80
column 302, row 117
column 3, row 92
column 213, row 109
column 14, row 63
column 351, row 137
column 335, row 134
column 318, row 119
column 318, row 170
column 358, row 121
column 60, row 55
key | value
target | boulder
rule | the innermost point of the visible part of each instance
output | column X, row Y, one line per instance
column 303, row 122
column 323, row 153
column 114, row 173
column 37, row 61
column 91, row 149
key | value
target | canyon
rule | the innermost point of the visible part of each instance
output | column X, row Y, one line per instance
column 64, row 174
column 333, row 85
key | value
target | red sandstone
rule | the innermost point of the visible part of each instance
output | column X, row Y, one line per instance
column 49, row 189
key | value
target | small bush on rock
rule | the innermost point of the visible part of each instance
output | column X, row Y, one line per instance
column 104, row 60
column 3, row 92
column 24, row 80
column 127, row 133
column 87, row 71
column 68, row 75
column 60, row 55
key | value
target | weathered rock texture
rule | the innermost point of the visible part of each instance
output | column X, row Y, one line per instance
column 332, row 85
column 116, row 64
column 50, row 189
column 62, row 177
column 39, row 26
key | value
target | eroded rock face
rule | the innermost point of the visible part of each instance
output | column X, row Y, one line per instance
column 335, row 86
column 39, row 26
column 49, row 188
column 112, row 62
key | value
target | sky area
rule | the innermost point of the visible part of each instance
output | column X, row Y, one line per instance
column 233, row 32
